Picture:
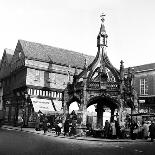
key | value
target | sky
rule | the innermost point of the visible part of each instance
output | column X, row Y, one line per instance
column 75, row 24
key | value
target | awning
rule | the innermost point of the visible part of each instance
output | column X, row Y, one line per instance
column 58, row 105
column 44, row 105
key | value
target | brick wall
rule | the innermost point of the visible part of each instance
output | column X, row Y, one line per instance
column 150, row 76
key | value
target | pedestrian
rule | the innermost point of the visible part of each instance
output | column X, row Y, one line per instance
column 152, row 130
column 113, row 129
column 146, row 130
column 58, row 128
column 133, row 130
column 20, row 122
column 117, row 129
column 37, row 124
column 73, row 128
column 66, row 127
column 107, row 129
column 45, row 121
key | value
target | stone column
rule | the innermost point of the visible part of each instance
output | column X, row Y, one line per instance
column 65, row 112
column 112, row 115
column 100, row 111
column 120, row 110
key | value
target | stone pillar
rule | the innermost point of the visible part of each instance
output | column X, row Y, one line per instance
column 100, row 111
column 65, row 112
column 112, row 115
column 83, row 111
column 120, row 110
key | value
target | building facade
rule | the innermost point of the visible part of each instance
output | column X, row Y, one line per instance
column 34, row 76
column 144, row 84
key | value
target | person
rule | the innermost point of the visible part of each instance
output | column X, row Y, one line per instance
column 73, row 128
column 37, row 124
column 20, row 121
column 152, row 130
column 45, row 128
column 66, row 127
column 133, row 130
column 107, row 129
column 113, row 129
column 146, row 130
column 58, row 128
column 117, row 129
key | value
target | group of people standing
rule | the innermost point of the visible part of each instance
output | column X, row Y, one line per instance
column 111, row 130
column 68, row 128
column 149, row 130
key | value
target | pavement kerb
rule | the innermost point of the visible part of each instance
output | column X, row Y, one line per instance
column 29, row 130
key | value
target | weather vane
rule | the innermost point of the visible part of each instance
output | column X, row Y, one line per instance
column 102, row 17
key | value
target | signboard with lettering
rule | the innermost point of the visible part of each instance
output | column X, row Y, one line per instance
column 42, row 104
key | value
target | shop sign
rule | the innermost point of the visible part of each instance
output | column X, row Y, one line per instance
column 42, row 104
column 141, row 101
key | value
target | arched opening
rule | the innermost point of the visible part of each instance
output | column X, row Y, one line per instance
column 73, row 106
column 100, row 109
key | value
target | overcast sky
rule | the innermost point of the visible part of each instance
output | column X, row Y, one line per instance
column 74, row 25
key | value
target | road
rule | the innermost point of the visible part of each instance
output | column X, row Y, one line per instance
column 21, row 143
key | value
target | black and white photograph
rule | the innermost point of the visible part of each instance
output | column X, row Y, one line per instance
column 77, row 77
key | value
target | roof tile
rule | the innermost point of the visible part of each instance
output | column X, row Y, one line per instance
column 47, row 53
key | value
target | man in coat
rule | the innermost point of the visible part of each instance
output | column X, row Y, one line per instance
column 107, row 129
column 152, row 131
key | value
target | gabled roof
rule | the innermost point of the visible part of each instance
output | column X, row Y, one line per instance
column 37, row 51
column 9, row 54
column 144, row 67
column 5, row 62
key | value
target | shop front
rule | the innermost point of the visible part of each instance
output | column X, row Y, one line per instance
column 45, row 107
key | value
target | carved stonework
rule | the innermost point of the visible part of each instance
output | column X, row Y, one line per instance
column 99, row 83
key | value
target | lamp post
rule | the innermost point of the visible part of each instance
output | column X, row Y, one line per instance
column 27, row 108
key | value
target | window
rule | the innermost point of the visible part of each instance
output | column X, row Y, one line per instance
column 143, row 87
column 37, row 75
column 52, row 78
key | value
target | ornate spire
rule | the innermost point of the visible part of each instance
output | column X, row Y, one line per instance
column 102, row 36
column 102, row 29
column 69, row 74
column 122, row 70
column 85, row 63
column 75, row 75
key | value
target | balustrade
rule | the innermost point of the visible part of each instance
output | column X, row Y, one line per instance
column 110, row 86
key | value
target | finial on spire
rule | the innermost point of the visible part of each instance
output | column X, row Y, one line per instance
column 102, row 17
column 102, row 36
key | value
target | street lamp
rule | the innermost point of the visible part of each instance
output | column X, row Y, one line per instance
column 27, row 108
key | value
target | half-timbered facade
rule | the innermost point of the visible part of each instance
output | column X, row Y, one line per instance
column 35, row 75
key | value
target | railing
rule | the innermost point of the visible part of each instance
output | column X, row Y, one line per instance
column 94, row 85
column 110, row 86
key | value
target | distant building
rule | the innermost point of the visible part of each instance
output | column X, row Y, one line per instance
column 144, row 85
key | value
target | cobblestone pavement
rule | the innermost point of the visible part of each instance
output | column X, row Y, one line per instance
column 52, row 133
